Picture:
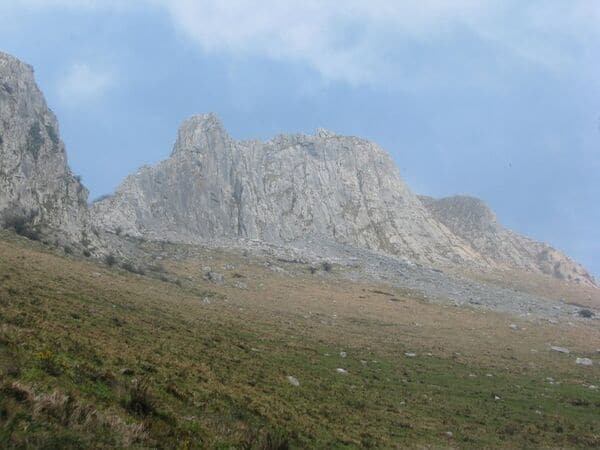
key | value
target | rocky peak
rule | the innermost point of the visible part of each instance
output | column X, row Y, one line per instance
column 200, row 133
column 462, row 213
column 323, row 133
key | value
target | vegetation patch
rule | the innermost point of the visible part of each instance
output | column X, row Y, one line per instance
column 35, row 140
column 24, row 224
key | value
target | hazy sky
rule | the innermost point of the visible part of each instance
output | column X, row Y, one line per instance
column 498, row 99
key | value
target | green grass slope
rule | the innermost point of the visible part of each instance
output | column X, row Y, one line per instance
column 96, row 357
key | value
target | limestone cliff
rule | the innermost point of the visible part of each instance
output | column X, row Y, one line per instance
column 299, row 188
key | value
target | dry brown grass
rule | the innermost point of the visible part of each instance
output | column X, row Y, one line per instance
column 66, row 411
column 346, row 313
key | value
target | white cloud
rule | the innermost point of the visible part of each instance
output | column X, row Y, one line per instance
column 83, row 83
column 358, row 41
column 341, row 41
column 79, row 4
column 362, row 41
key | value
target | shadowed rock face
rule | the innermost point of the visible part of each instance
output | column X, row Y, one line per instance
column 291, row 189
column 35, row 181
column 471, row 219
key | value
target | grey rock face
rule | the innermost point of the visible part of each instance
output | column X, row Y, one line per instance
column 291, row 189
column 471, row 219
column 35, row 181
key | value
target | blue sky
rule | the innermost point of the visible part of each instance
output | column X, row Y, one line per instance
column 497, row 99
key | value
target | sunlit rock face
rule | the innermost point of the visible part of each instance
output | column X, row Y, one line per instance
column 310, row 189
column 36, row 183
column 472, row 220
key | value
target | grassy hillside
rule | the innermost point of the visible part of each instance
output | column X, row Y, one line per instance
column 98, row 357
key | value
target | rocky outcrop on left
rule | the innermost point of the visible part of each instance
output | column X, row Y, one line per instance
column 39, row 194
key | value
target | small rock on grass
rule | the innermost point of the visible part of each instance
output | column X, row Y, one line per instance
column 293, row 381
column 410, row 354
column 341, row 371
column 560, row 349
column 584, row 362
column 214, row 277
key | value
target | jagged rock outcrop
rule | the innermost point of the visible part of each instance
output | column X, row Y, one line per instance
column 37, row 188
column 292, row 189
column 473, row 221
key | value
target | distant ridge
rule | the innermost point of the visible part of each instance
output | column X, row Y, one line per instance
column 472, row 220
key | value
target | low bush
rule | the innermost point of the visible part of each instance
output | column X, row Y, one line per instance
column 23, row 223
column 327, row 266
column 48, row 363
column 110, row 260
column 586, row 313
column 139, row 400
